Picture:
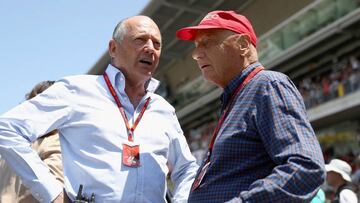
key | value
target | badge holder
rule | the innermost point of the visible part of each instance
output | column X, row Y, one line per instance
column 131, row 154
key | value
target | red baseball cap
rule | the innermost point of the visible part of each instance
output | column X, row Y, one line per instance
column 220, row 20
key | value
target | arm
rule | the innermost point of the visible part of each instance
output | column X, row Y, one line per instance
column 182, row 163
column 23, row 125
column 292, row 145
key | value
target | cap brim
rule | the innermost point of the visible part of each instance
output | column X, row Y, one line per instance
column 344, row 175
column 189, row 33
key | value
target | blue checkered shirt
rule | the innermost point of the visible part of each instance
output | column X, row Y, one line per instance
column 266, row 149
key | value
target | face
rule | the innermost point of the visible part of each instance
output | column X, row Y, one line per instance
column 137, row 55
column 332, row 177
column 216, row 55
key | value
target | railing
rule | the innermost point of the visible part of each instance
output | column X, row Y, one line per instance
column 309, row 20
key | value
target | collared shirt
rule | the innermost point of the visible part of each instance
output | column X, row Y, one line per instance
column 266, row 149
column 92, row 132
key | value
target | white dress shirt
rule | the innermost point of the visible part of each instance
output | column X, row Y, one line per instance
column 92, row 132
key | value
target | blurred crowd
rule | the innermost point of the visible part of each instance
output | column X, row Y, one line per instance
column 343, row 78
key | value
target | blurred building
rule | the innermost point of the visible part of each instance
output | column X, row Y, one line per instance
column 315, row 42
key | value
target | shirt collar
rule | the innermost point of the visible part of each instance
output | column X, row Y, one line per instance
column 234, row 83
column 117, row 79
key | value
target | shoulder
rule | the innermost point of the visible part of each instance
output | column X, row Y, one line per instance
column 272, row 76
column 276, row 87
column 267, row 80
column 79, row 79
column 78, row 83
column 67, row 87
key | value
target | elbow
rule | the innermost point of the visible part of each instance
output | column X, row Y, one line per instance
column 322, row 175
column 323, row 170
column 319, row 173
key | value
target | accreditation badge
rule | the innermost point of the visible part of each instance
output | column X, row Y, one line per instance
column 131, row 154
column 200, row 177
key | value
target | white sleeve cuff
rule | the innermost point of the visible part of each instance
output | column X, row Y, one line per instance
column 48, row 191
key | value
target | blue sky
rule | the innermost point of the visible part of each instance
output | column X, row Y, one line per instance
column 46, row 40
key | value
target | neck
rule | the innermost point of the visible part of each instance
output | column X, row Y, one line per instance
column 135, row 92
column 236, row 71
column 247, row 63
column 338, row 184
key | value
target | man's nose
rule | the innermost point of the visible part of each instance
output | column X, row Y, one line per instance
column 197, row 53
column 149, row 46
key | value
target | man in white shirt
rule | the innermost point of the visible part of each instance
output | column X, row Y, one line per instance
column 117, row 136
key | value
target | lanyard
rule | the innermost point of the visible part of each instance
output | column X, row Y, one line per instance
column 121, row 109
column 228, row 107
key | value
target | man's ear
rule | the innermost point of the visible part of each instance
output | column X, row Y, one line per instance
column 112, row 48
column 243, row 42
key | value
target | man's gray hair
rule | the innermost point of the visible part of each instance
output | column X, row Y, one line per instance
column 120, row 31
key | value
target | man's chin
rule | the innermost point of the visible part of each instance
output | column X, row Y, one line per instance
column 209, row 78
column 148, row 70
column 146, row 75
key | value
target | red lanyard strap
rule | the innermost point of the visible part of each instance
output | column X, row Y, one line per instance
column 228, row 107
column 122, row 111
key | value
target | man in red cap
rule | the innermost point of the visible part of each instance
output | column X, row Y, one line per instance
column 263, row 148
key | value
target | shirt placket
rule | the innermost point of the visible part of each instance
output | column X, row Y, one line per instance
column 140, row 170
